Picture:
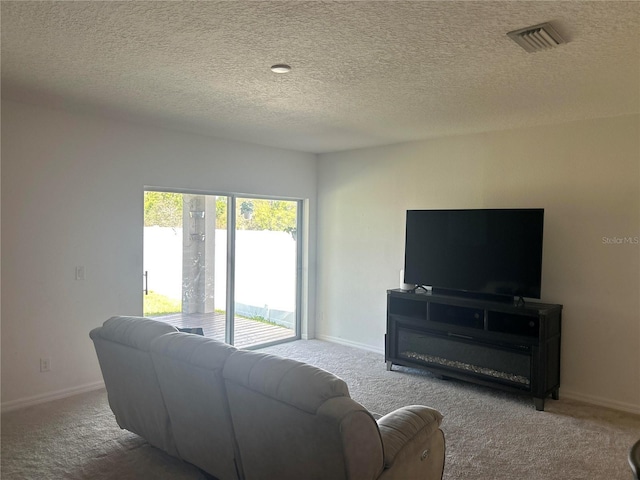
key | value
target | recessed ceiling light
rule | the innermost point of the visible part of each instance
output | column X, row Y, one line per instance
column 280, row 68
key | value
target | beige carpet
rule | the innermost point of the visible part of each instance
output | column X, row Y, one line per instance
column 490, row 434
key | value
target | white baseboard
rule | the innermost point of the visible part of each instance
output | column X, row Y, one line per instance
column 342, row 341
column 48, row 397
column 600, row 401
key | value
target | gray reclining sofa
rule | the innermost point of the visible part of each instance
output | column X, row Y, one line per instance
column 244, row 415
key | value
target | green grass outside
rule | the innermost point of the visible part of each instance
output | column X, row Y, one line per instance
column 156, row 304
column 259, row 318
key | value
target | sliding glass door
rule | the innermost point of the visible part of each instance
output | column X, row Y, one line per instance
column 266, row 270
column 225, row 265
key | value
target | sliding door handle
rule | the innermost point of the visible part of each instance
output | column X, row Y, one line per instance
column 146, row 282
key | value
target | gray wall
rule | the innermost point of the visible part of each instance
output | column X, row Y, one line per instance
column 587, row 177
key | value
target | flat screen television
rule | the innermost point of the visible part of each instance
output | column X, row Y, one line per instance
column 489, row 252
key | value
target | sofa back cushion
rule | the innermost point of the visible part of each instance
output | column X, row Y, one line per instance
column 294, row 421
column 189, row 369
column 122, row 346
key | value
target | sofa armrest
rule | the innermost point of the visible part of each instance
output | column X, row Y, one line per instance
column 413, row 443
column 361, row 443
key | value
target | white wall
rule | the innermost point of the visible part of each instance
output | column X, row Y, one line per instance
column 587, row 177
column 72, row 194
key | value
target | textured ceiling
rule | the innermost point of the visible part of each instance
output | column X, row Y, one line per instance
column 364, row 73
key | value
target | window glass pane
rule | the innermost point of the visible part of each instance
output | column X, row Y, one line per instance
column 185, row 258
column 266, row 266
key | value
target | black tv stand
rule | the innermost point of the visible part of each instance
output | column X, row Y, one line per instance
column 488, row 297
column 511, row 347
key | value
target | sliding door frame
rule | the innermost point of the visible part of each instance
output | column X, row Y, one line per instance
column 231, row 270
column 231, row 256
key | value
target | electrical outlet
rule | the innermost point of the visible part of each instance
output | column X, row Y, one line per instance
column 45, row 364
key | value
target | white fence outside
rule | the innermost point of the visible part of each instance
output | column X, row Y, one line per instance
column 265, row 270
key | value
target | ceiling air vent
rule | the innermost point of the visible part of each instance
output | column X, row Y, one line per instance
column 536, row 38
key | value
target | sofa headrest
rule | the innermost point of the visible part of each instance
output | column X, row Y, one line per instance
column 303, row 386
column 136, row 332
column 193, row 349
